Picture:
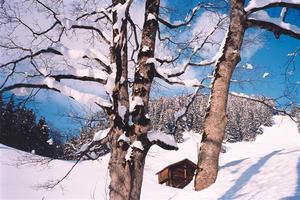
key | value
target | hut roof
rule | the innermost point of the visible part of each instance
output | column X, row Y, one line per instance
column 178, row 163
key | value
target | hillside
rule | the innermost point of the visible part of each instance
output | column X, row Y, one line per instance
column 268, row 168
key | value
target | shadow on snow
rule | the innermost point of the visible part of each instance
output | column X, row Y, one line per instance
column 246, row 176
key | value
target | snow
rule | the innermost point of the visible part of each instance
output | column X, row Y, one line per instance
column 111, row 79
column 129, row 153
column 163, row 137
column 221, row 49
column 264, row 16
column 122, row 110
column 262, row 3
column 124, row 138
column 99, row 135
column 120, row 9
column 117, row 38
column 78, row 53
column 135, row 101
column 240, row 94
column 248, row 66
column 265, row 74
column 152, row 60
column 292, row 54
column 138, row 144
column 91, row 73
column 268, row 168
column 81, row 97
column 150, row 17
column 179, row 113
column 50, row 141
column 283, row 13
column 145, row 48
column 83, row 148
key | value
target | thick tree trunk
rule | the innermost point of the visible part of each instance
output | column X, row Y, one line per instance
column 127, row 175
column 215, row 119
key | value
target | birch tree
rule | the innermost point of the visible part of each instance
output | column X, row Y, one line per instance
column 241, row 18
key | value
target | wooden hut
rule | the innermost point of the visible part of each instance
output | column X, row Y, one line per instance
column 177, row 175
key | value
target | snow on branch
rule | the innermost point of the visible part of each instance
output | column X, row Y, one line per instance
column 188, row 18
column 256, row 5
column 163, row 140
column 77, row 54
column 93, row 75
column 179, row 81
column 61, row 50
column 136, row 145
column 51, row 84
column 175, row 72
column 166, row 75
column 263, row 20
column 75, row 94
column 121, row 10
column 99, row 135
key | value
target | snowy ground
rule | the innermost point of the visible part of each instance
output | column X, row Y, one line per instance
column 268, row 168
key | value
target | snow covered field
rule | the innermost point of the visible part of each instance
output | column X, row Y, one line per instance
column 268, row 168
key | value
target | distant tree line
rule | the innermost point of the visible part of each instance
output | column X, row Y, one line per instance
column 20, row 129
column 245, row 118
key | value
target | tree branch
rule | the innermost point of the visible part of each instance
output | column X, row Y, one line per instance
column 187, row 20
column 277, row 29
column 51, row 84
column 279, row 3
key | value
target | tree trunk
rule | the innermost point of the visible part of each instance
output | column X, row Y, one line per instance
column 215, row 119
column 127, row 175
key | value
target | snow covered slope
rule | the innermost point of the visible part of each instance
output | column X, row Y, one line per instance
column 268, row 168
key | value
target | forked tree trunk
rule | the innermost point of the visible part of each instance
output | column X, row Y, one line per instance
column 215, row 119
column 127, row 175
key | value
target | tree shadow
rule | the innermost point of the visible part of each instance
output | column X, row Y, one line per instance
column 246, row 176
column 296, row 196
column 232, row 163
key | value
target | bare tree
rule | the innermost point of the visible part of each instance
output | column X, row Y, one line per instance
column 241, row 18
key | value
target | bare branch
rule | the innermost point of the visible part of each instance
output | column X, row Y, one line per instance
column 32, row 55
column 188, row 19
column 184, row 113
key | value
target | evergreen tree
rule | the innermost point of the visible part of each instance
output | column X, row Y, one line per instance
column 18, row 129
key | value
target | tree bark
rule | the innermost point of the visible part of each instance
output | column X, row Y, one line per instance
column 127, row 175
column 215, row 119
